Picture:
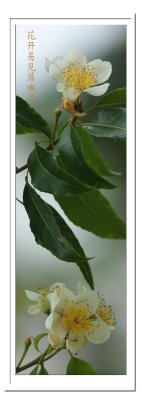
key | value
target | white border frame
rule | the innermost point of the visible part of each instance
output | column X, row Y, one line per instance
column 76, row 383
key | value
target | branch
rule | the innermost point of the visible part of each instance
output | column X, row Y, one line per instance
column 36, row 361
column 21, row 168
column 26, row 165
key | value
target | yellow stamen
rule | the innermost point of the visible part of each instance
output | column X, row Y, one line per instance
column 75, row 318
column 79, row 77
column 105, row 313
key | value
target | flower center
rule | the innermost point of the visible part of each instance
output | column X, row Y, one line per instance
column 75, row 318
column 79, row 77
column 43, row 291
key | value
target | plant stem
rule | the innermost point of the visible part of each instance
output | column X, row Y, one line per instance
column 21, row 168
column 57, row 116
column 36, row 361
column 19, row 201
column 74, row 120
column 27, row 345
column 50, row 147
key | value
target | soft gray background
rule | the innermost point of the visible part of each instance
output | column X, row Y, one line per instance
column 35, row 266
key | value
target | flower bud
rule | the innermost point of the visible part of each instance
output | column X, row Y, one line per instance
column 58, row 111
column 28, row 341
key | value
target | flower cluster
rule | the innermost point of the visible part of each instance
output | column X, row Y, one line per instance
column 73, row 319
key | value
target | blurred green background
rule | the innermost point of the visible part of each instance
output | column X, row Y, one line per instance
column 35, row 266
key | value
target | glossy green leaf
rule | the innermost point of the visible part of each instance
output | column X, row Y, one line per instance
column 51, row 232
column 37, row 340
column 115, row 98
column 71, row 153
column 61, row 129
column 28, row 120
column 42, row 370
column 92, row 155
column 76, row 366
column 48, row 176
column 108, row 123
column 34, row 371
column 93, row 212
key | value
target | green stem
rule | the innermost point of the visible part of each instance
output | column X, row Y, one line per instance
column 49, row 147
column 57, row 116
column 74, row 120
column 27, row 345
column 36, row 361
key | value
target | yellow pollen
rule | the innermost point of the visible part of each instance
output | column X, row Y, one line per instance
column 75, row 318
column 43, row 291
column 105, row 313
column 79, row 77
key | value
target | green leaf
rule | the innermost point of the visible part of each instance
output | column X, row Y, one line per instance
column 108, row 123
column 43, row 370
column 28, row 120
column 93, row 212
column 50, row 349
column 116, row 98
column 51, row 232
column 37, row 340
column 34, row 371
column 61, row 129
column 71, row 153
column 39, row 370
column 76, row 366
column 48, row 176
column 92, row 155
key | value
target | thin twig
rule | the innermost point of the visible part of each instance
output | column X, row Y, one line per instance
column 21, row 168
column 21, row 202
column 36, row 361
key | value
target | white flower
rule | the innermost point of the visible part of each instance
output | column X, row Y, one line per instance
column 41, row 298
column 79, row 319
column 74, row 75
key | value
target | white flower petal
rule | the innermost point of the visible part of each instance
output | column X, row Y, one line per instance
column 58, row 297
column 47, row 64
column 98, row 90
column 53, row 323
column 70, row 93
column 100, row 332
column 103, row 70
column 56, row 286
column 33, row 296
column 53, row 299
column 33, row 310
column 60, row 87
column 49, row 321
column 90, row 298
column 73, row 56
column 55, row 341
column 80, row 287
column 55, row 72
column 58, row 61
column 75, row 345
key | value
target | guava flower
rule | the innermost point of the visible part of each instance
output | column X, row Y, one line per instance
column 79, row 319
column 41, row 299
column 75, row 75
